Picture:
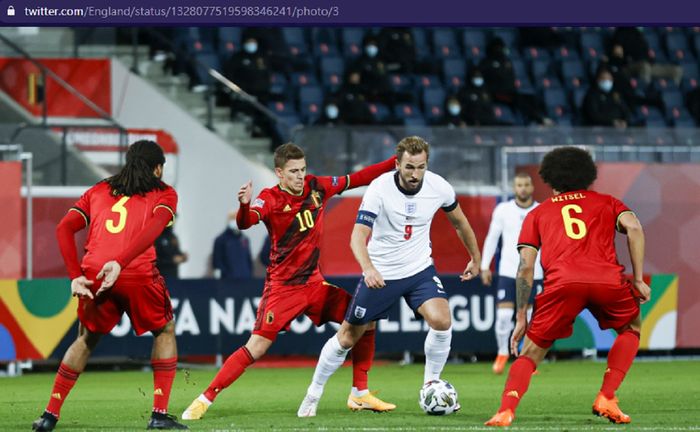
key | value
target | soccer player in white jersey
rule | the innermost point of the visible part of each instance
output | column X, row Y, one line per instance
column 397, row 211
column 505, row 224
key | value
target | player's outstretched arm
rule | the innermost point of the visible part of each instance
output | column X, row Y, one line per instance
column 71, row 223
column 246, row 217
column 630, row 225
column 358, row 244
column 468, row 238
column 490, row 245
column 523, row 288
column 367, row 174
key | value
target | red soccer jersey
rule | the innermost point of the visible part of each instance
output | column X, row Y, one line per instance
column 113, row 222
column 295, row 224
column 576, row 234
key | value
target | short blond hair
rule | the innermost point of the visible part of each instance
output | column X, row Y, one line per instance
column 413, row 145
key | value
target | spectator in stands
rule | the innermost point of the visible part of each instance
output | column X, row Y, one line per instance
column 373, row 72
column 272, row 46
column 692, row 101
column 249, row 70
column 231, row 257
column 630, row 49
column 352, row 100
column 477, row 105
column 398, row 48
column 454, row 114
column 602, row 106
column 499, row 78
column 264, row 255
column 330, row 115
column 168, row 254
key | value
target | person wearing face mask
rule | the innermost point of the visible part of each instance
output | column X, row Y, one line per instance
column 373, row 72
column 330, row 115
column 453, row 117
column 476, row 101
column 602, row 106
column 231, row 258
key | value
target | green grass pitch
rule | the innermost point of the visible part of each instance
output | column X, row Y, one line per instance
column 657, row 395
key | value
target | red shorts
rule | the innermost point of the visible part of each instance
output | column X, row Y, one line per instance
column 321, row 301
column 145, row 299
column 556, row 309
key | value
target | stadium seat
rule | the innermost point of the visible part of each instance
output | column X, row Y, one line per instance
column 652, row 117
column 681, row 118
column 380, row 112
column 520, row 69
column 433, row 103
column 282, row 108
column 293, row 35
column 423, row 81
column 556, row 102
column 229, row 41
column 324, row 34
column 303, row 78
column 535, row 53
column 310, row 103
column 473, row 38
column 572, row 73
column 332, row 69
column 577, row 95
column 453, row 72
column 444, row 43
column 677, row 46
column 205, row 61
column 401, row 84
column 504, row 114
column 592, row 46
column 672, row 99
column 279, row 86
column 540, row 68
column 352, row 38
column 549, row 82
column 565, row 53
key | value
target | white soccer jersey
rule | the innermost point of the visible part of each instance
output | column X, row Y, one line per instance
column 506, row 221
column 400, row 221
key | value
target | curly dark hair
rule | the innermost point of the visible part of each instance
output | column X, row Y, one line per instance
column 136, row 177
column 568, row 169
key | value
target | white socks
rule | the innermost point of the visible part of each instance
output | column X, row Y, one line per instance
column 331, row 358
column 437, row 348
column 204, row 399
column 504, row 325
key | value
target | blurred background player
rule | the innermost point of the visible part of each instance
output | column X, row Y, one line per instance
column 125, row 213
column 396, row 214
column 293, row 213
column 505, row 225
column 575, row 229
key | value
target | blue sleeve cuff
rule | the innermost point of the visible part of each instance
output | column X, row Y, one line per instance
column 366, row 218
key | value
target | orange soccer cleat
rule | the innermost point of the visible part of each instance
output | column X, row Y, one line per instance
column 604, row 407
column 502, row 419
column 500, row 364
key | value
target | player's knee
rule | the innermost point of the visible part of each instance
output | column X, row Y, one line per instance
column 441, row 323
column 168, row 329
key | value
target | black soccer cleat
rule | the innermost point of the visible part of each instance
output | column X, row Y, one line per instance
column 164, row 421
column 47, row 422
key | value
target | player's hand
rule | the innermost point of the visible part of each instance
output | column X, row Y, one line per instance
column 80, row 287
column 110, row 272
column 470, row 272
column 245, row 193
column 486, row 277
column 374, row 279
column 643, row 291
column 518, row 335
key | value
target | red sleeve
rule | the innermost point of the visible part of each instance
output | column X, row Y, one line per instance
column 256, row 211
column 145, row 239
column 366, row 175
column 246, row 218
column 619, row 208
column 529, row 234
column 167, row 200
column 71, row 223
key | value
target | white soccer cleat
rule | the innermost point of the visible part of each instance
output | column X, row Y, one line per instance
column 195, row 411
column 308, row 406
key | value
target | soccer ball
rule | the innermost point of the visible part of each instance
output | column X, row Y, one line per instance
column 438, row 397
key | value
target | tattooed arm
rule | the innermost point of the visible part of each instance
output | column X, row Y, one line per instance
column 523, row 287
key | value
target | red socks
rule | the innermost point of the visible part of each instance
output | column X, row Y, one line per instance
column 362, row 356
column 518, row 381
column 163, row 376
column 65, row 380
column 620, row 359
column 233, row 367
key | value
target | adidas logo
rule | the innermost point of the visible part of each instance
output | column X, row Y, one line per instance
column 56, row 396
column 158, row 392
column 513, row 393
column 287, row 208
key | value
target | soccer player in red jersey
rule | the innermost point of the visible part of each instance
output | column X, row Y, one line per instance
column 124, row 214
column 575, row 231
column 293, row 213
